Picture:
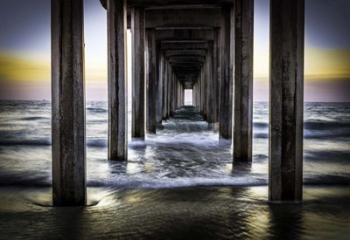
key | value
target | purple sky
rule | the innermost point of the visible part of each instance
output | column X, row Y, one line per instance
column 25, row 38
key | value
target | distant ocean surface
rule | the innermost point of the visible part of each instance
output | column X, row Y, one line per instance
column 184, row 153
column 178, row 184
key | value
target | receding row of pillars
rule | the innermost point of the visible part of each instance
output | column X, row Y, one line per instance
column 222, row 91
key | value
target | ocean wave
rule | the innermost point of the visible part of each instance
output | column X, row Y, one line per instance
column 261, row 125
column 328, row 156
column 326, row 125
column 25, row 142
column 97, row 142
column 30, row 179
column 340, row 133
column 171, row 183
column 261, row 135
column 327, row 134
column 97, row 110
column 34, row 118
column 327, row 179
column 178, row 182
column 314, row 125
column 47, row 142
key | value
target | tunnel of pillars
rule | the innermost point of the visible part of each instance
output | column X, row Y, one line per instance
column 181, row 64
column 185, row 47
column 202, row 45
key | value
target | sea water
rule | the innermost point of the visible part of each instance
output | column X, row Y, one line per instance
column 179, row 183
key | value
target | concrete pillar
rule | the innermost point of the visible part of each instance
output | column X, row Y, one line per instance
column 160, row 66
column 286, row 100
column 138, row 73
column 152, row 85
column 194, row 95
column 225, row 127
column 197, row 95
column 206, row 73
column 202, row 97
column 68, row 103
column 217, row 71
column 177, row 94
column 198, row 92
column 165, row 88
column 169, row 91
column 211, row 103
column 243, row 97
column 173, row 94
column 117, row 81
column 194, row 103
column 182, row 95
column 180, row 103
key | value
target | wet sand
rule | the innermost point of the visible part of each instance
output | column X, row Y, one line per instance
column 180, row 213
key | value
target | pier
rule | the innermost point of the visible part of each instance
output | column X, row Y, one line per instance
column 205, row 46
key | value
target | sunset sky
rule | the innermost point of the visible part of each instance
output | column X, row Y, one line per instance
column 25, row 50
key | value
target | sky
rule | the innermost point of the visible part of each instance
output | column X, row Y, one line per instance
column 25, row 50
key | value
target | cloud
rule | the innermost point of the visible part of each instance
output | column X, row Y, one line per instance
column 327, row 64
column 16, row 69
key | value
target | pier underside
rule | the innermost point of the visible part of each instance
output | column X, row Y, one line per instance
column 204, row 46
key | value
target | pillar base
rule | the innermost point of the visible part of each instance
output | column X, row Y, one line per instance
column 213, row 126
column 224, row 141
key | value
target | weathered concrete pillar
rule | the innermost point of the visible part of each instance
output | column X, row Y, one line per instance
column 286, row 100
column 198, row 91
column 165, row 88
column 173, row 93
column 215, row 82
column 152, row 85
column 179, row 90
column 180, row 103
column 206, row 74
column 194, row 95
column 176, row 94
column 243, row 97
column 202, row 99
column 217, row 71
column 225, row 128
column 68, row 103
column 182, row 95
column 169, row 96
column 211, row 103
column 160, row 66
column 117, row 81
column 194, row 103
column 138, row 73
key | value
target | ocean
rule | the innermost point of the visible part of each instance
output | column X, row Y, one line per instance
column 177, row 184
